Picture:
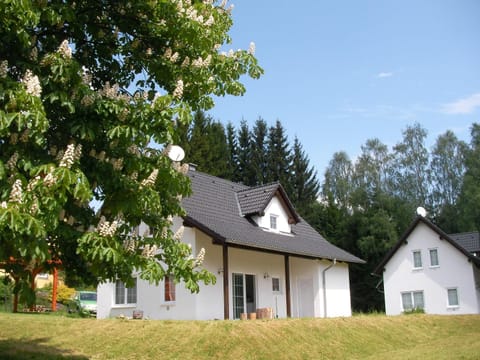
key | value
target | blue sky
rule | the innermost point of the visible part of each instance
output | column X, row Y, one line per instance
column 340, row 72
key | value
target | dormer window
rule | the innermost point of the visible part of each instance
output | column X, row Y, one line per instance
column 273, row 222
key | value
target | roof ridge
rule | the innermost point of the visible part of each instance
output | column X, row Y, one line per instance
column 216, row 178
column 256, row 187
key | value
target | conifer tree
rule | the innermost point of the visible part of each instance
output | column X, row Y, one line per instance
column 303, row 179
column 278, row 156
column 259, row 151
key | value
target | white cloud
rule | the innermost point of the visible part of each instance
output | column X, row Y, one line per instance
column 384, row 74
column 463, row 106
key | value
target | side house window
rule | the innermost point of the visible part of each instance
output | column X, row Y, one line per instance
column 169, row 289
column 417, row 259
column 124, row 295
column 452, row 297
column 434, row 257
column 412, row 300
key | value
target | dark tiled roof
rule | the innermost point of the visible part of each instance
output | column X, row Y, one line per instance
column 254, row 200
column 470, row 241
column 442, row 235
column 214, row 208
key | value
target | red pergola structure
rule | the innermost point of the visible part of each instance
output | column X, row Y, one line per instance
column 34, row 272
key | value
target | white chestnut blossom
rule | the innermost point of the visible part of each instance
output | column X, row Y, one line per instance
column 179, row 233
column 150, row 181
column 17, row 193
column 178, row 92
column 50, row 179
column 12, row 162
column 210, row 21
column 200, row 257
column 32, row 84
column 3, row 205
column 69, row 157
column 186, row 62
column 251, row 49
column 3, row 68
column 32, row 183
column 64, row 50
column 149, row 251
column 130, row 245
column 106, row 229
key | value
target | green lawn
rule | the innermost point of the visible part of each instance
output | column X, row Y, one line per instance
column 33, row 336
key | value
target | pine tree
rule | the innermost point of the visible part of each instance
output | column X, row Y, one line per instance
column 232, row 152
column 278, row 157
column 303, row 179
column 243, row 172
column 206, row 146
column 259, row 151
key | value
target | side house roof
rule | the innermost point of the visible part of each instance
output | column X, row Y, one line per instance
column 442, row 235
column 219, row 208
column 470, row 241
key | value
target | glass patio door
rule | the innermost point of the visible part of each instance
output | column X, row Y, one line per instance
column 244, row 294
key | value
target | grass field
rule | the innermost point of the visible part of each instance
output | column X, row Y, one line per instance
column 33, row 336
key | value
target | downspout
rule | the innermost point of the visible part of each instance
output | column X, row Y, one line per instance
column 325, row 288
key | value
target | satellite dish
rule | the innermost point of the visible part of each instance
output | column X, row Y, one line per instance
column 421, row 211
column 176, row 153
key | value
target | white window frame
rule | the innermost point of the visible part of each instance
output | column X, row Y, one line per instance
column 430, row 255
column 421, row 260
column 457, row 305
column 127, row 294
column 274, row 222
column 412, row 299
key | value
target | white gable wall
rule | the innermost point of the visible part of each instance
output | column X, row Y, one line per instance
column 454, row 271
column 276, row 208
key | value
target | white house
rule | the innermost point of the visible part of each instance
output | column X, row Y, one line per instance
column 429, row 269
column 266, row 259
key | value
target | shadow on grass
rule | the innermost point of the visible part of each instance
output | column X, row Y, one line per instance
column 34, row 349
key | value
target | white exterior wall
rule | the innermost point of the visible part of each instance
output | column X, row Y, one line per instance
column 454, row 271
column 306, row 288
column 276, row 208
column 307, row 282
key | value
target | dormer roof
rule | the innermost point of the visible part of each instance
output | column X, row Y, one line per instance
column 254, row 201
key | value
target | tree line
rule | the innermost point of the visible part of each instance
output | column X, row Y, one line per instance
column 255, row 156
column 362, row 205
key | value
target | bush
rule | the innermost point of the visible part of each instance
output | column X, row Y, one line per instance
column 64, row 294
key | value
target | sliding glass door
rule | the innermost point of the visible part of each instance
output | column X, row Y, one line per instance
column 244, row 294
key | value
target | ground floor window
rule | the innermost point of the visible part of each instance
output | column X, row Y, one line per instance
column 412, row 300
column 275, row 284
column 452, row 297
column 125, row 295
column 169, row 288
